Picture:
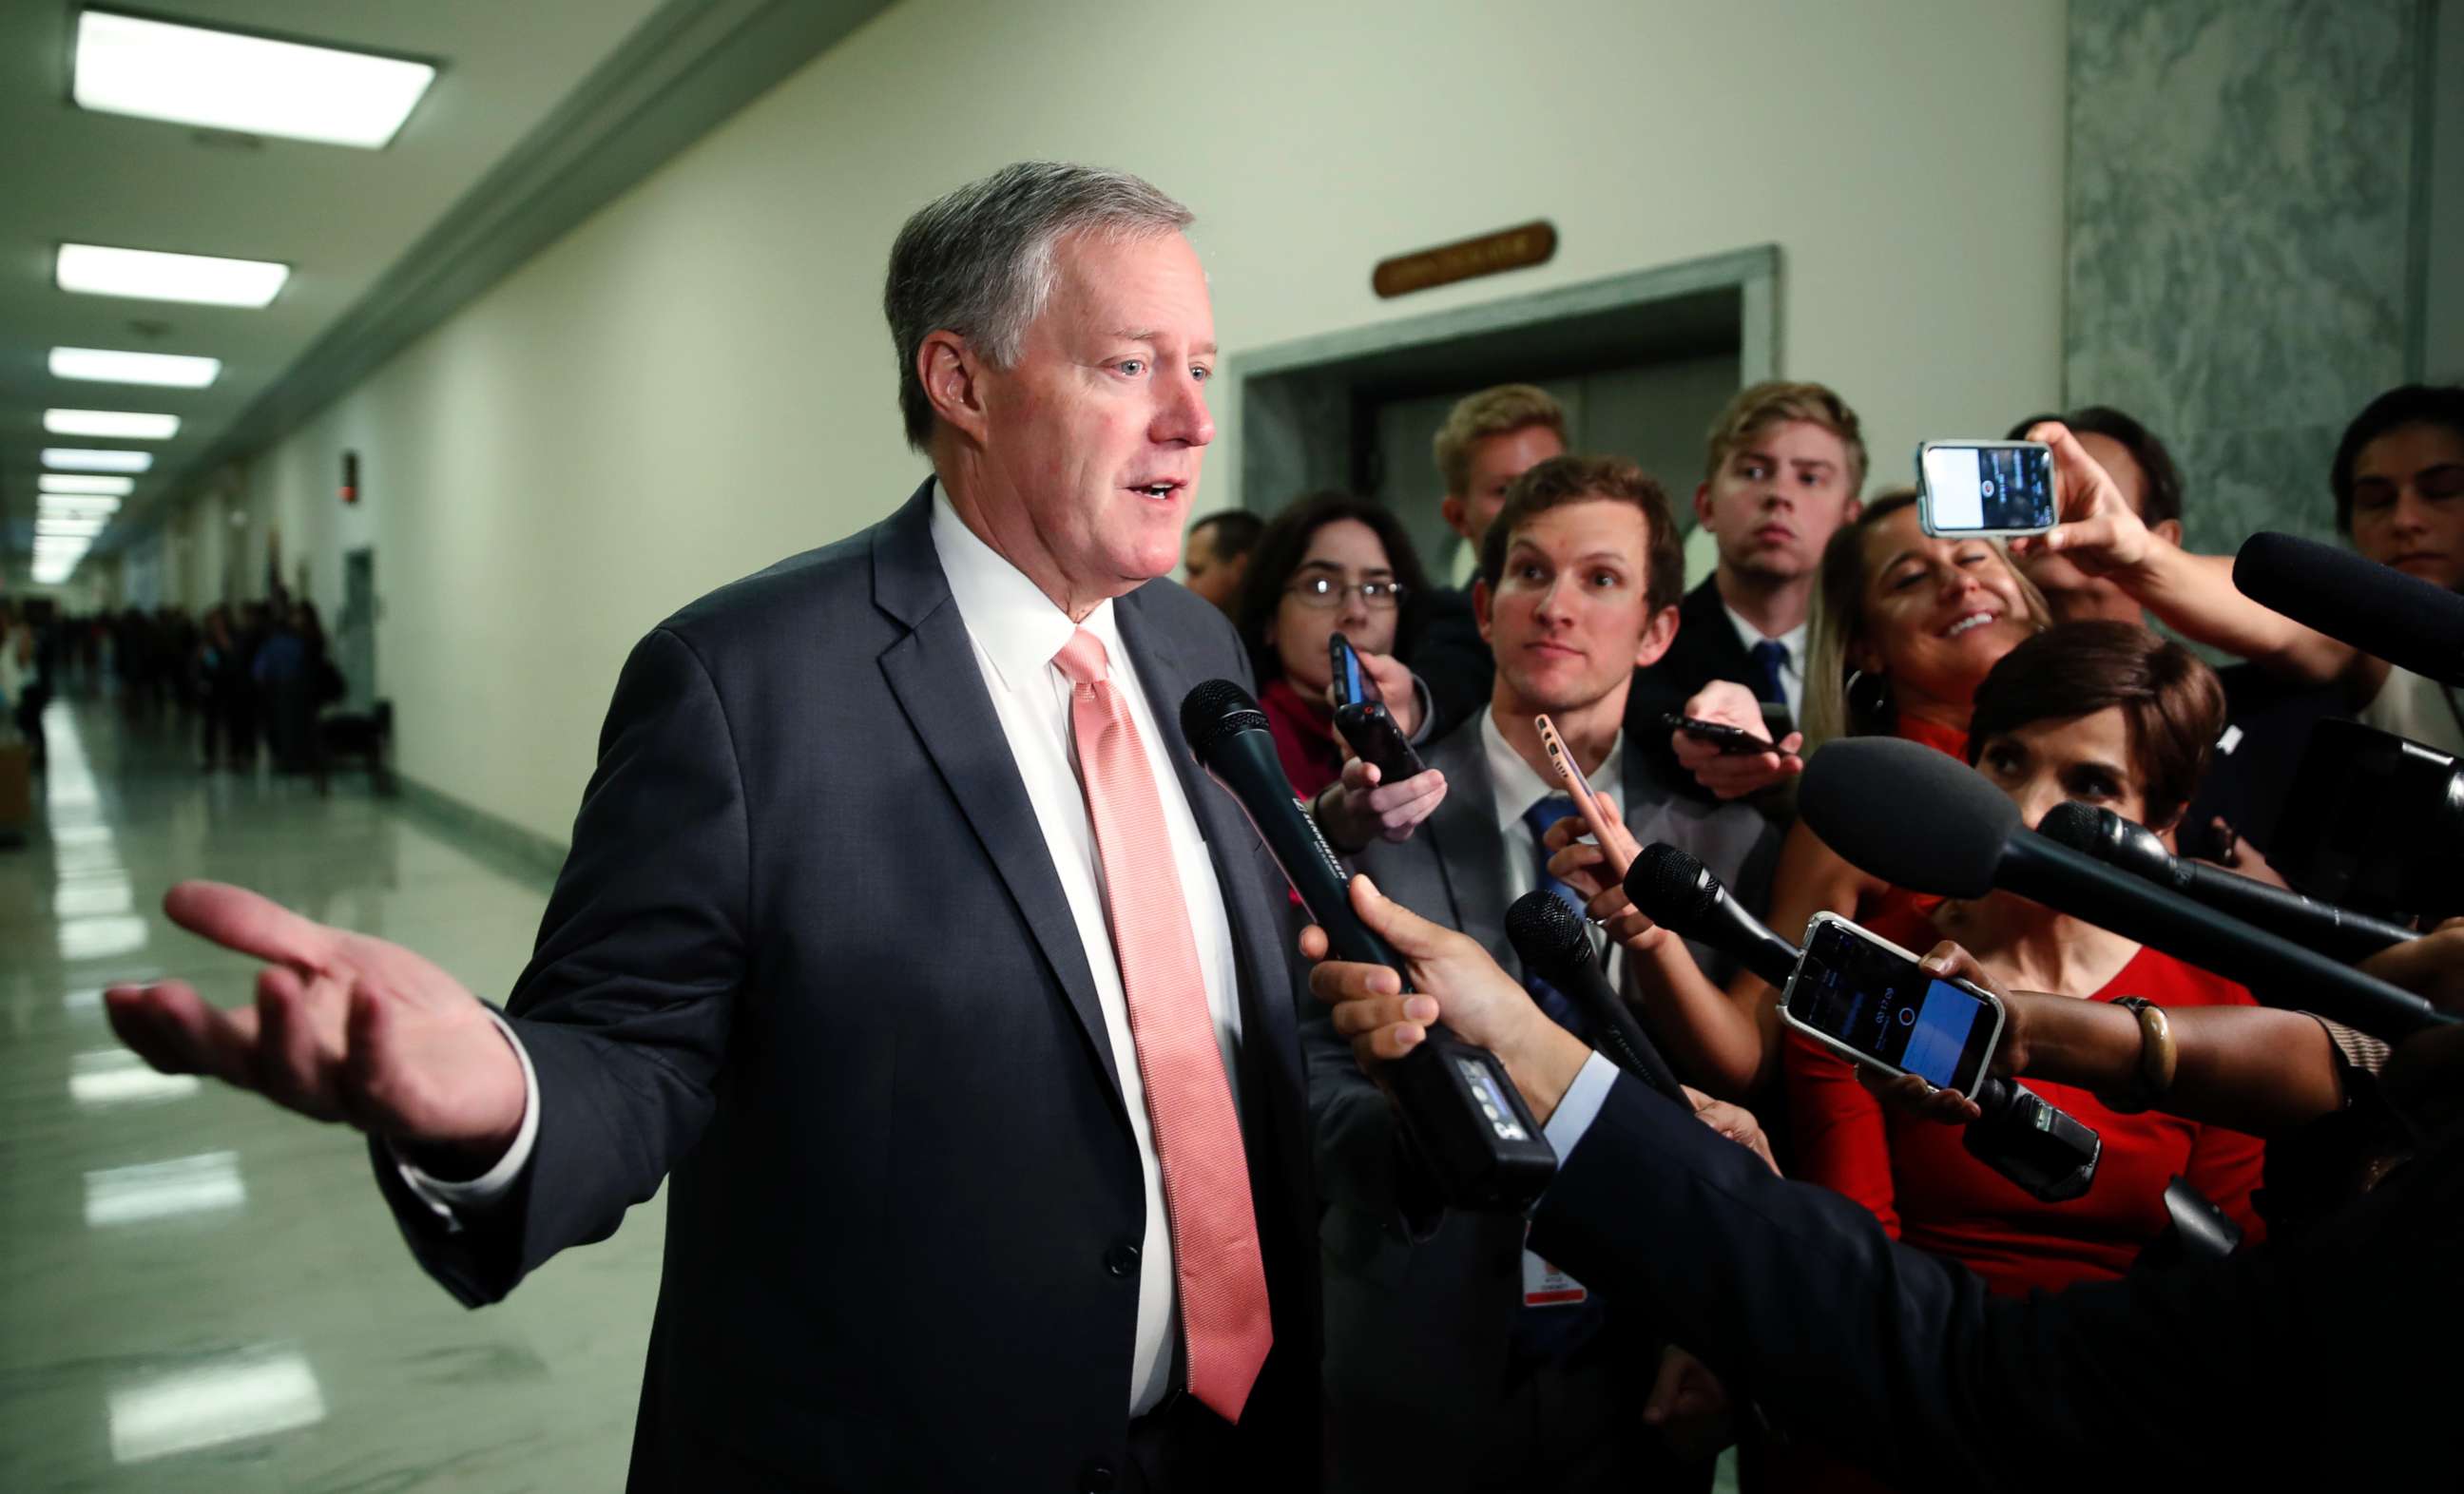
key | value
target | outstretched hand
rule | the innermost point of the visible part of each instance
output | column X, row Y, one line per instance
column 344, row 1027
column 1911, row 1093
column 1731, row 775
column 2100, row 532
column 1596, row 873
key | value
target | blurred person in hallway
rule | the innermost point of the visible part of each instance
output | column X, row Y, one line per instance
column 1488, row 439
column 917, row 1230
column 1218, row 554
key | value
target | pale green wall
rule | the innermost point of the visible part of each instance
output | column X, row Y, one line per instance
column 697, row 380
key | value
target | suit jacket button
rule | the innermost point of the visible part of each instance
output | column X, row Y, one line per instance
column 1121, row 1260
column 1097, row 1478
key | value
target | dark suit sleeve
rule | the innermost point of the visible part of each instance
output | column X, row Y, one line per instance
column 1900, row 1359
column 625, row 1005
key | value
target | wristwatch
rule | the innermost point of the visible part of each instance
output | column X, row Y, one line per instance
column 2157, row 1057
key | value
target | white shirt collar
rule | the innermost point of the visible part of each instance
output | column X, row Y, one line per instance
column 1018, row 627
column 1747, row 634
column 1515, row 787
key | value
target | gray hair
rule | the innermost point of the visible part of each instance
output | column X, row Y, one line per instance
column 979, row 262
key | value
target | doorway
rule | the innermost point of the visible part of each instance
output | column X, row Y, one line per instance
column 1640, row 362
column 355, row 631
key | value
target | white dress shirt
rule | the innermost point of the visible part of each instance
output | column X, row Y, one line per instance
column 1791, row 669
column 1016, row 629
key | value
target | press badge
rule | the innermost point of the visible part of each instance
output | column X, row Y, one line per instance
column 1546, row 1284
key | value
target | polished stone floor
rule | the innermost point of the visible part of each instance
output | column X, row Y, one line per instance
column 201, row 1292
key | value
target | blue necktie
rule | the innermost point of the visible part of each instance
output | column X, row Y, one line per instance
column 1771, row 657
column 1540, row 817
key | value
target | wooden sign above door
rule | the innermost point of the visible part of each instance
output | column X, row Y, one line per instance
column 1508, row 249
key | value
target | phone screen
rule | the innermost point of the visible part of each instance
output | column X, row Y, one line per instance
column 1880, row 1002
column 1988, row 489
column 1353, row 684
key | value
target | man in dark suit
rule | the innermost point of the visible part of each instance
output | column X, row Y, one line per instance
column 900, row 934
column 1787, row 462
column 1454, row 1361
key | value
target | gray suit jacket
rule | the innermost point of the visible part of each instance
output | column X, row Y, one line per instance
column 1418, row 1306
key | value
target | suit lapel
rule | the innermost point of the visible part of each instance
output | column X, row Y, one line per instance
column 934, row 674
column 1471, row 852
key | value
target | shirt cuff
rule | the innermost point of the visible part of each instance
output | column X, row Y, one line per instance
column 1581, row 1106
column 450, row 1198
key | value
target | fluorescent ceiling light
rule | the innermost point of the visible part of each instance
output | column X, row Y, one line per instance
column 101, row 487
column 152, row 276
column 111, row 425
column 188, row 75
column 115, row 1076
column 75, row 508
column 78, row 459
column 86, row 527
column 176, row 370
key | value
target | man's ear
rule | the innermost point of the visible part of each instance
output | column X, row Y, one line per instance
column 1657, row 636
column 952, row 374
column 1481, row 600
column 2168, row 529
column 1702, row 504
column 1850, row 507
column 1456, row 513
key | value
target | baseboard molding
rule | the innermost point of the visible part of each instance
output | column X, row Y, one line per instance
column 491, row 837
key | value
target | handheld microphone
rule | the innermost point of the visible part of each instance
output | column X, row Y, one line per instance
column 2338, row 932
column 1921, row 820
column 1455, row 1103
column 2046, row 1151
column 2376, row 608
column 1556, row 946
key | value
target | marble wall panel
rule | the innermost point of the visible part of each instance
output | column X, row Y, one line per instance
column 2240, row 206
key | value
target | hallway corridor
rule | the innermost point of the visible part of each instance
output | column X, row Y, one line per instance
column 198, row 1291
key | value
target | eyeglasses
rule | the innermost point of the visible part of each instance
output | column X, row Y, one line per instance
column 1325, row 591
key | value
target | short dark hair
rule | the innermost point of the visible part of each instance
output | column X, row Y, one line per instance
column 1283, row 544
column 1561, row 481
column 2173, row 702
column 2409, row 404
column 2163, row 497
column 1235, row 532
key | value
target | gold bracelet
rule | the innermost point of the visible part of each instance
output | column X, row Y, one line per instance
column 2157, row 1059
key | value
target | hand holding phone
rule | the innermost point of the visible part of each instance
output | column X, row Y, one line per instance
column 1982, row 489
column 1619, row 847
column 1361, row 716
column 1732, row 742
column 1870, row 1002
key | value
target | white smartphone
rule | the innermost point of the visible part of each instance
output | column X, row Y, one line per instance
column 1984, row 488
column 1868, row 1001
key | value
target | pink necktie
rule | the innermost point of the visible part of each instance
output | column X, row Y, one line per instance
column 1214, row 1257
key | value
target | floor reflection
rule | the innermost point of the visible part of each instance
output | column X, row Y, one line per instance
column 253, row 1393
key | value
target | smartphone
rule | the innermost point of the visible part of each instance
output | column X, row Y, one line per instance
column 1868, row 1001
column 1733, row 740
column 1581, row 788
column 1362, row 716
column 1981, row 489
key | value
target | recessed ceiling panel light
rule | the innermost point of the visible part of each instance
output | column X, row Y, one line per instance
column 51, row 507
column 75, row 459
column 74, row 528
column 176, row 370
column 188, row 75
column 98, row 270
column 101, row 487
column 111, row 425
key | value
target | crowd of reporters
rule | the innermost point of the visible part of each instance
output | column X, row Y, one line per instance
column 1902, row 1312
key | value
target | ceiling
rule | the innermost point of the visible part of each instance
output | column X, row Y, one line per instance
column 340, row 217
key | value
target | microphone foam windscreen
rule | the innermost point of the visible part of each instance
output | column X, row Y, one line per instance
column 1216, row 710
column 1671, row 889
column 2376, row 608
column 2072, row 824
column 1910, row 815
column 1546, row 932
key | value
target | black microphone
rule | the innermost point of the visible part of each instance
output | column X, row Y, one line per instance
column 2355, row 599
column 1556, row 945
column 2046, row 1151
column 1920, row 820
column 1455, row 1103
column 2337, row 933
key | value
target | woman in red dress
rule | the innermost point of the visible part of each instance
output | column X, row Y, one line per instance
column 2111, row 715
column 1328, row 562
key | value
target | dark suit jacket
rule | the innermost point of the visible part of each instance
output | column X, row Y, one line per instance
column 1452, row 660
column 1419, row 1307
column 1707, row 649
column 2295, row 1367
column 810, row 962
